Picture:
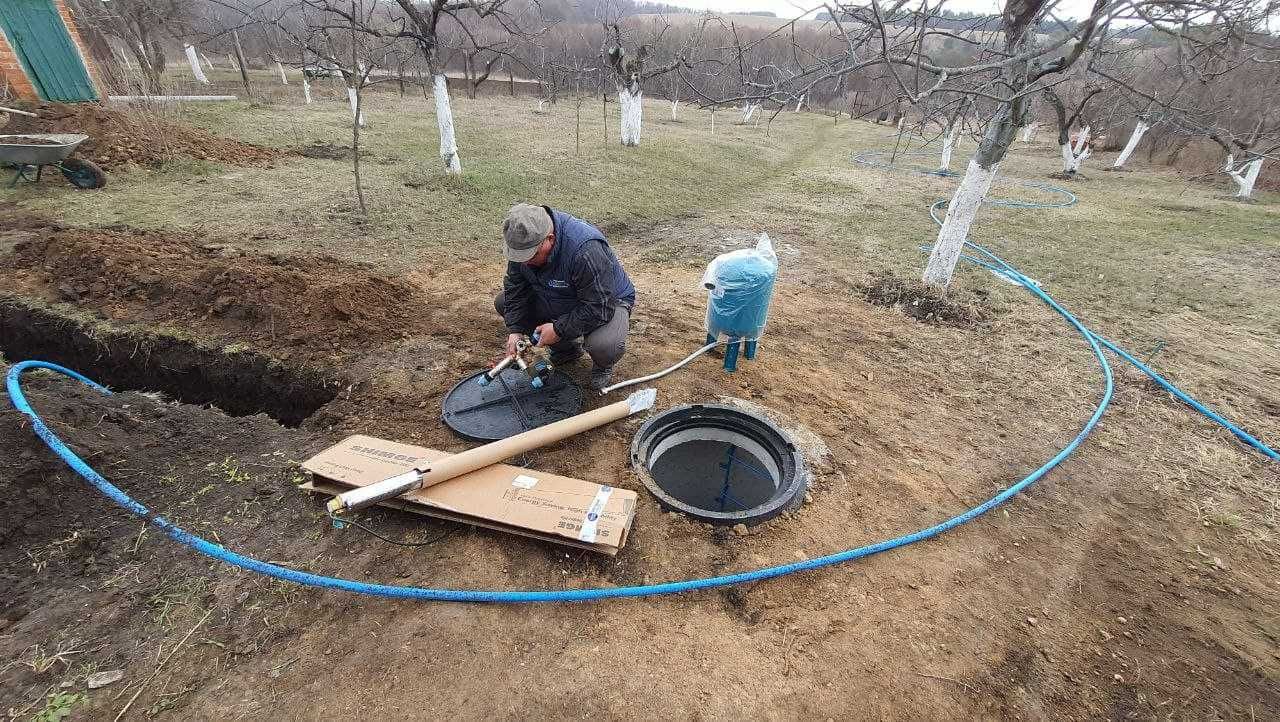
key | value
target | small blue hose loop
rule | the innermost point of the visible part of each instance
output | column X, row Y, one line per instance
column 14, row 387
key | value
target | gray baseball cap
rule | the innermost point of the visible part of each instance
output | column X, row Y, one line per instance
column 525, row 229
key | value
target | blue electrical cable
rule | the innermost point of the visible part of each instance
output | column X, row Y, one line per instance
column 14, row 386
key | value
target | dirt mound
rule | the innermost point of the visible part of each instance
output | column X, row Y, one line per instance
column 318, row 305
column 122, row 138
column 926, row 303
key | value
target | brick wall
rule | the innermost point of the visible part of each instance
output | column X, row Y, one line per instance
column 12, row 74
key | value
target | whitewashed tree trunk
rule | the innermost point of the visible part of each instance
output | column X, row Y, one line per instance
column 961, row 212
column 749, row 111
column 444, row 120
column 207, row 61
column 1028, row 132
column 284, row 79
column 306, row 89
column 1071, row 159
column 901, row 121
column 713, row 121
column 948, row 145
column 1081, row 140
column 1245, row 176
column 799, row 103
column 1138, row 131
column 631, row 106
column 542, row 104
column 674, row 104
column 351, row 97
column 194, row 61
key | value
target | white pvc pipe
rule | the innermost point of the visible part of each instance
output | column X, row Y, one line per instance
column 170, row 98
column 451, row 467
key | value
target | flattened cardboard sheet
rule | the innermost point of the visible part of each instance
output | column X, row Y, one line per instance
column 545, row 506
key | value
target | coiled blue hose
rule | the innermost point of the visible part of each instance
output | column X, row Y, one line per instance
column 14, row 386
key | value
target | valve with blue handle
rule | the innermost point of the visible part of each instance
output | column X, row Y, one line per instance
column 532, row 359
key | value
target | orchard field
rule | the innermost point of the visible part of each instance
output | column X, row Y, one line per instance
column 241, row 282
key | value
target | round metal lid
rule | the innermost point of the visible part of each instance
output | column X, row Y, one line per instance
column 509, row 405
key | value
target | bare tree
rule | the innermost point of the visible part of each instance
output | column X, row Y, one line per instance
column 141, row 26
column 1073, row 154
column 1216, row 83
column 1009, row 59
column 630, row 69
column 421, row 24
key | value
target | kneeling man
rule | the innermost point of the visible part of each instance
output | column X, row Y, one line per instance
column 564, row 284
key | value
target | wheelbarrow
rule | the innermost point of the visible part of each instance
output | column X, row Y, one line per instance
column 29, row 153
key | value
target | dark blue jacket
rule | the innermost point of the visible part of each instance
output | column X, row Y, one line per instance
column 578, row 287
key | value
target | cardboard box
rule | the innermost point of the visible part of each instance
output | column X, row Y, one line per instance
column 508, row 498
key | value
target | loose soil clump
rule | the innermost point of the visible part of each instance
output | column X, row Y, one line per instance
column 325, row 151
column 927, row 304
column 118, row 139
column 27, row 140
column 292, row 305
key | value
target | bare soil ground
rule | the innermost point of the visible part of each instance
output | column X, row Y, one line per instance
column 1137, row 580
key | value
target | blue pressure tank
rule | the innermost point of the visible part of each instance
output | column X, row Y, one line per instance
column 739, row 286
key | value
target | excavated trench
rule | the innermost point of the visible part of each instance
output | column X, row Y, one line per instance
column 239, row 382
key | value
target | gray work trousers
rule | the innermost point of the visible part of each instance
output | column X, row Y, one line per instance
column 605, row 345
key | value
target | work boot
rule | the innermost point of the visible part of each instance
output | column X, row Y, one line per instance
column 567, row 356
column 600, row 378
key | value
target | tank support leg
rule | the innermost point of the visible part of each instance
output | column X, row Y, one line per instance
column 731, row 355
column 749, row 349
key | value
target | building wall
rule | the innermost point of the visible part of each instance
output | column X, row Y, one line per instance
column 12, row 74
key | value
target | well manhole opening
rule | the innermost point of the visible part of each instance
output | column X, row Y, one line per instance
column 719, row 464
column 240, row 383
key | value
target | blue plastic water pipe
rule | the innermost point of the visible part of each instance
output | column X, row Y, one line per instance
column 13, row 383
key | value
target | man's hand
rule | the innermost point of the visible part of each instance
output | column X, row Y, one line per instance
column 547, row 334
column 511, row 343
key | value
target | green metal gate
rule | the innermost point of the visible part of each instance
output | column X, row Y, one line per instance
column 44, row 47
